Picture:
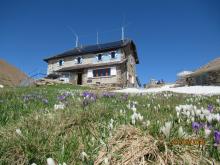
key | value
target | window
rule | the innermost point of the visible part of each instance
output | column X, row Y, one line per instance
column 79, row 60
column 61, row 62
column 99, row 57
column 101, row 72
column 112, row 54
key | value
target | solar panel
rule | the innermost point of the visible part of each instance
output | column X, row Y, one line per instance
column 92, row 48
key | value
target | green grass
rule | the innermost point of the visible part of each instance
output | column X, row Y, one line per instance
column 65, row 134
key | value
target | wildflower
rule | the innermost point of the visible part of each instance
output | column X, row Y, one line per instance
column 45, row 101
column 84, row 156
column 59, row 106
column 209, row 118
column 196, row 126
column 106, row 161
column 140, row 117
column 202, row 116
column 133, row 108
column 210, row 108
column 110, row 126
column 181, row 132
column 18, row 131
column 50, row 161
column 217, row 138
column 102, row 142
column 148, row 123
column 177, row 114
column 166, row 129
column 207, row 132
column 133, row 118
column 198, row 112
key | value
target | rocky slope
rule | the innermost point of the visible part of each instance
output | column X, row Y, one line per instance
column 10, row 75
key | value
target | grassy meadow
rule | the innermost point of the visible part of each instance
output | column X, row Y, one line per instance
column 73, row 124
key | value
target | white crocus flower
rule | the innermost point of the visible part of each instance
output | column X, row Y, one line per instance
column 197, row 112
column 50, row 161
column 33, row 164
column 134, row 109
column 207, row 132
column 181, row 132
column 140, row 117
column 110, row 126
column 84, row 156
column 177, row 114
column 106, row 161
column 188, row 114
column 133, row 119
column 18, row 131
column 148, row 123
column 209, row 118
column 166, row 129
column 59, row 106
column 202, row 116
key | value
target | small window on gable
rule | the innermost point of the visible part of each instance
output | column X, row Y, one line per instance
column 79, row 60
column 112, row 54
column 61, row 62
column 99, row 57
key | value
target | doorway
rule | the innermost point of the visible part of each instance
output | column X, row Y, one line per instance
column 79, row 79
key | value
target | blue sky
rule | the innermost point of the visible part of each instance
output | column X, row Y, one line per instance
column 170, row 35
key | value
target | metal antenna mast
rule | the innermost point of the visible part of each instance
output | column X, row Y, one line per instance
column 77, row 40
column 122, row 33
column 76, row 36
column 97, row 37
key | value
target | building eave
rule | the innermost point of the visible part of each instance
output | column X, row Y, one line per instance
column 86, row 66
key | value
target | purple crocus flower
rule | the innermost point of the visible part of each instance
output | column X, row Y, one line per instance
column 196, row 126
column 45, row 101
column 125, row 97
column 86, row 94
column 210, row 107
column 217, row 137
column 61, row 97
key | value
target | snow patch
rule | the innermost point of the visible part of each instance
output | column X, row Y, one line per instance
column 197, row 90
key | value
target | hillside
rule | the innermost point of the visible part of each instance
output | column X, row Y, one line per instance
column 10, row 75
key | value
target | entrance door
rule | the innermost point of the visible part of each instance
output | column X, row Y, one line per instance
column 79, row 79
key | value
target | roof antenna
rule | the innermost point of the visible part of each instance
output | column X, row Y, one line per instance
column 97, row 38
column 122, row 33
column 76, row 36
column 77, row 40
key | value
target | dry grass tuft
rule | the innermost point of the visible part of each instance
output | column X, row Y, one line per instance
column 129, row 146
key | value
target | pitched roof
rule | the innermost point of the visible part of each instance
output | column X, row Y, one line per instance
column 96, row 49
column 211, row 66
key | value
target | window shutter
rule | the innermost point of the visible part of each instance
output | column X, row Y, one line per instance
column 113, row 71
column 89, row 74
